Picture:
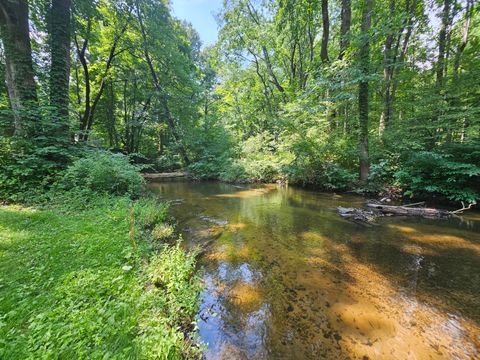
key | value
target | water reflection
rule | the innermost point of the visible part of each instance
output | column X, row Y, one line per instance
column 286, row 277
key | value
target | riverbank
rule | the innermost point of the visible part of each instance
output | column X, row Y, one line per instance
column 89, row 277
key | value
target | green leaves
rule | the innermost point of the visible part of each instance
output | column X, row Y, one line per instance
column 102, row 171
column 70, row 287
column 453, row 172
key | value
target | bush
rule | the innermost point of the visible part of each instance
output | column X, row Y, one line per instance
column 324, row 174
column 162, row 232
column 28, row 167
column 453, row 171
column 104, row 172
column 233, row 172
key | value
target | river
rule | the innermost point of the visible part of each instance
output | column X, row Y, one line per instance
column 285, row 277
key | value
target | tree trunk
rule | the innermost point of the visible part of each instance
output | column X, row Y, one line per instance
column 388, row 67
column 59, row 30
column 456, row 66
column 325, row 33
column 346, row 16
column 440, row 67
column 363, row 90
column 158, row 87
column 410, row 211
column 90, row 107
column 19, row 68
column 442, row 41
column 465, row 33
column 401, row 58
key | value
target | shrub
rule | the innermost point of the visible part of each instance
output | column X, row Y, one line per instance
column 234, row 171
column 27, row 167
column 103, row 171
column 452, row 171
column 324, row 174
column 162, row 232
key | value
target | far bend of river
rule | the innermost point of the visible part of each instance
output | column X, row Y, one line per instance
column 287, row 278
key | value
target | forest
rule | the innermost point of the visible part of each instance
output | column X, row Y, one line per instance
column 374, row 97
column 340, row 95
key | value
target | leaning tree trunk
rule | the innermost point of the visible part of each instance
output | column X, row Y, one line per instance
column 59, row 31
column 19, row 69
column 363, row 91
column 158, row 87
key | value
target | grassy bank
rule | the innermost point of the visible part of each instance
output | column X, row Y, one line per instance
column 73, row 284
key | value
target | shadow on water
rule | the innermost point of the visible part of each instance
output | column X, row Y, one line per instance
column 286, row 277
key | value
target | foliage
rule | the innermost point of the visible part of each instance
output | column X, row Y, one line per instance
column 162, row 232
column 102, row 171
column 453, row 172
column 27, row 166
column 72, row 286
column 291, row 90
column 150, row 212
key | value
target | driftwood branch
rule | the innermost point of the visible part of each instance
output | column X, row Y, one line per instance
column 377, row 210
column 459, row 211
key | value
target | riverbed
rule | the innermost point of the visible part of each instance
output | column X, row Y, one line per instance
column 285, row 277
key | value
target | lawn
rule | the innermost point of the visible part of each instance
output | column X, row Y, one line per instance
column 73, row 284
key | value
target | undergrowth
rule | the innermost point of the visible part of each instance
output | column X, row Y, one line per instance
column 80, row 279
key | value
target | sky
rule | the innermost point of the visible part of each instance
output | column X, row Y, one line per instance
column 200, row 13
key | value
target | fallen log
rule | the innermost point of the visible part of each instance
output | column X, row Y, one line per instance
column 411, row 211
column 170, row 175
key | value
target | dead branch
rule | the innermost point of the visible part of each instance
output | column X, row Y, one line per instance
column 459, row 211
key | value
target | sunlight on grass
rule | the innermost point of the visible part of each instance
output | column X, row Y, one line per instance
column 71, row 286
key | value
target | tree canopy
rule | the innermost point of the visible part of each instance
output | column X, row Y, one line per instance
column 373, row 95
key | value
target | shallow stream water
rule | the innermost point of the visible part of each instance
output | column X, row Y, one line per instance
column 287, row 278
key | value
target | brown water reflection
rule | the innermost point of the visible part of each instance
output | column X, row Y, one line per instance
column 287, row 278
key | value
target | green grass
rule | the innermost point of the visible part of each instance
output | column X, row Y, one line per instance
column 72, row 287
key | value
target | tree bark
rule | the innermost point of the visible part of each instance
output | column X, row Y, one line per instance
column 458, row 56
column 363, row 91
column 346, row 17
column 442, row 41
column 399, row 62
column 19, row 68
column 388, row 67
column 410, row 211
column 465, row 33
column 59, row 29
column 86, row 121
column 325, row 33
column 440, row 66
